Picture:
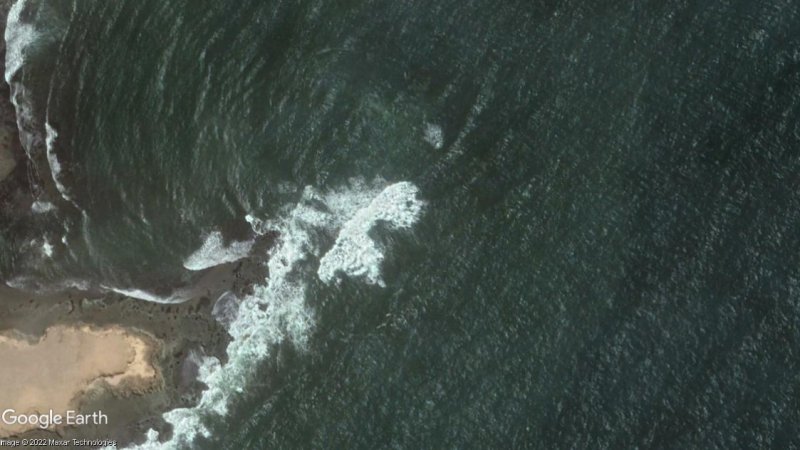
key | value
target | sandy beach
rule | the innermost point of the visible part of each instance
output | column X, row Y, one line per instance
column 54, row 372
column 92, row 351
column 131, row 359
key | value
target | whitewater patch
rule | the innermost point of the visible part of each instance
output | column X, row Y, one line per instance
column 354, row 253
column 433, row 135
column 43, row 245
column 176, row 297
column 52, row 159
column 225, row 309
column 20, row 37
column 214, row 252
column 277, row 312
column 47, row 248
column 40, row 207
column 26, row 283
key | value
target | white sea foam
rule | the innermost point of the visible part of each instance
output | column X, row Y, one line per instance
column 81, row 285
column 255, row 223
column 225, row 309
column 32, row 284
column 52, row 159
column 20, row 282
column 47, row 249
column 434, row 135
column 213, row 252
column 175, row 297
column 355, row 254
column 18, row 38
column 40, row 207
column 277, row 311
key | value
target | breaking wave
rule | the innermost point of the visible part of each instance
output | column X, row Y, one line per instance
column 52, row 159
column 19, row 37
column 179, row 296
column 42, row 207
column 214, row 252
column 277, row 311
column 355, row 254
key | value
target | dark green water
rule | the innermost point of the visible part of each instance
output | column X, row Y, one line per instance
column 608, row 253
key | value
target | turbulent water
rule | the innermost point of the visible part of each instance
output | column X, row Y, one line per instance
column 558, row 224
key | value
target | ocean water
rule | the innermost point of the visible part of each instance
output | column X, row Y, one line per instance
column 501, row 224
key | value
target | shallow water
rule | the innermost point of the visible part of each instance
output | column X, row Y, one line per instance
column 608, row 252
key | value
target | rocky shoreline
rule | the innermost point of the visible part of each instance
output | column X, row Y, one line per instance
column 182, row 333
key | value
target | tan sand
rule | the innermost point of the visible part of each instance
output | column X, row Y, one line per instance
column 68, row 361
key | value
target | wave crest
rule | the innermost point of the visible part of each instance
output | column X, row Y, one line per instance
column 214, row 252
column 355, row 253
column 277, row 311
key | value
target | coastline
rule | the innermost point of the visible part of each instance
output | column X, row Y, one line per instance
column 115, row 359
column 179, row 336
column 175, row 335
